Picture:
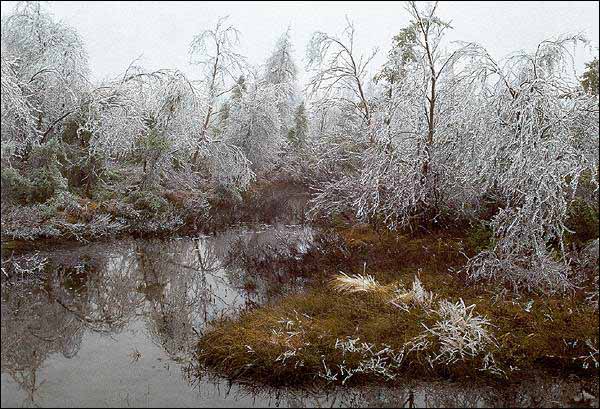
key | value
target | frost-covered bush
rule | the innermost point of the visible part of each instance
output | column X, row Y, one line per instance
column 28, row 222
column 417, row 296
column 588, row 261
column 522, row 257
column 38, row 179
column 15, row 187
column 458, row 334
column 147, row 201
column 66, row 202
column 99, row 225
column 535, row 154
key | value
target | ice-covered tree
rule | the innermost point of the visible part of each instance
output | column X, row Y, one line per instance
column 18, row 120
column 46, row 64
column 254, row 125
column 534, row 153
column 417, row 127
column 339, row 72
column 214, row 51
column 589, row 79
column 298, row 134
column 280, row 70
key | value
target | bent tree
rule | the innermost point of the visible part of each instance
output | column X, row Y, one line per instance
column 540, row 134
column 44, row 72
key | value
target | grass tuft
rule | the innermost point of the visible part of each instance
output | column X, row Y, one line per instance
column 356, row 283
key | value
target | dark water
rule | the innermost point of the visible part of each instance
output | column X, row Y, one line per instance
column 116, row 325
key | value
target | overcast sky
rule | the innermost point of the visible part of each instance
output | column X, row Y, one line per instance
column 115, row 33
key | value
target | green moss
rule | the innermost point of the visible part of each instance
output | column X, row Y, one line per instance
column 583, row 220
column 479, row 237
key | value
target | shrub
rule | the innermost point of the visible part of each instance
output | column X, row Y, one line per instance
column 29, row 222
column 15, row 188
column 479, row 238
column 46, row 176
column 458, row 333
column 148, row 202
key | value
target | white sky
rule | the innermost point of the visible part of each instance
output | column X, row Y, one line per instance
column 115, row 33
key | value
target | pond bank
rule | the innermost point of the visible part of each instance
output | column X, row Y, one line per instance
column 152, row 214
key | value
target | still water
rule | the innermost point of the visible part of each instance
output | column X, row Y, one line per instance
column 115, row 324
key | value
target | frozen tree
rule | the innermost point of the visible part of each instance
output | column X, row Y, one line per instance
column 298, row 134
column 152, row 117
column 338, row 72
column 47, row 63
column 113, row 115
column 589, row 79
column 214, row 51
column 342, row 118
column 540, row 140
column 280, row 67
column 281, row 71
column 254, row 126
column 168, row 105
column 227, row 166
column 416, row 120
column 425, row 97
column 428, row 30
column 18, row 120
column 394, row 70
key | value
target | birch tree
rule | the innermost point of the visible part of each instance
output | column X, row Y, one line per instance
column 539, row 135
column 47, row 63
column 338, row 72
column 416, row 127
column 214, row 51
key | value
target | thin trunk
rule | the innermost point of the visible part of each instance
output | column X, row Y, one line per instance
column 211, row 94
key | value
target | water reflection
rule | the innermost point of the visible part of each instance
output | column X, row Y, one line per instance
column 115, row 324
column 173, row 287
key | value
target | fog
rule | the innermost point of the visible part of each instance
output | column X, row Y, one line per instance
column 159, row 33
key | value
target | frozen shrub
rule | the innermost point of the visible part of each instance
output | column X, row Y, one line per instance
column 148, row 202
column 522, row 256
column 582, row 221
column 28, row 222
column 417, row 296
column 99, row 226
column 458, row 333
column 67, row 202
column 15, row 187
column 588, row 262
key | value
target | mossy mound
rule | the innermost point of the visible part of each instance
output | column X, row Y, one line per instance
column 301, row 338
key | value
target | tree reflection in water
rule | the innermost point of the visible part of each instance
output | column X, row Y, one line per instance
column 174, row 286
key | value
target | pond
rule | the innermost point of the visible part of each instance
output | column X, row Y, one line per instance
column 116, row 324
